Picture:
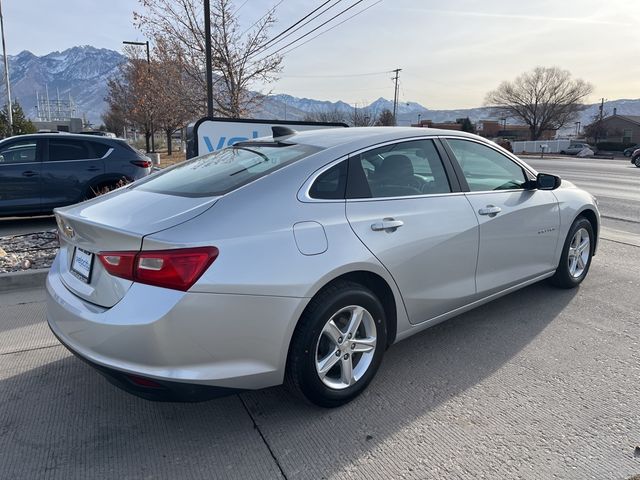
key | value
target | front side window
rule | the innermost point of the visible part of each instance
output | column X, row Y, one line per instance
column 65, row 149
column 225, row 170
column 485, row 169
column 18, row 152
column 398, row 170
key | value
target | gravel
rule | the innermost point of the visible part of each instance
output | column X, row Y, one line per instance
column 28, row 251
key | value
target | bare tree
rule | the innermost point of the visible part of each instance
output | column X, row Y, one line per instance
column 173, row 91
column 330, row 115
column 385, row 119
column 239, row 60
column 362, row 117
column 546, row 98
column 130, row 96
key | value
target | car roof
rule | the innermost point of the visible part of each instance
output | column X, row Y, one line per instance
column 62, row 135
column 335, row 137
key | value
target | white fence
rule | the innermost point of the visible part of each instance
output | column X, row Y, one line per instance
column 550, row 146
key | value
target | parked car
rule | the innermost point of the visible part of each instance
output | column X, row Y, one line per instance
column 635, row 157
column 628, row 152
column 576, row 148
column 40, row 172
column 303, row 257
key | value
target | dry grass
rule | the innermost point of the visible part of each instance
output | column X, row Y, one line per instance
column 168, row 160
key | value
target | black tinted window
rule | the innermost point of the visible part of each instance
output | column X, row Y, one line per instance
column 331, row 184
column 65, row 149
column 99, row 149
column 18, row 152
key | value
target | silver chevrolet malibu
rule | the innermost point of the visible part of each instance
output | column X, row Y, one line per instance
column 301, row 258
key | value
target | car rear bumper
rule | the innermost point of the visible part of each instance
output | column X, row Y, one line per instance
column 191, row 345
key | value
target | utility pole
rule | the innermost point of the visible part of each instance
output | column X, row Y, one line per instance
column 395, row 95
column 6, row 75
column 601, row 109
column 207, row 48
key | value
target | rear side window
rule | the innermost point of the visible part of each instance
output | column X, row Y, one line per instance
column 225, row 170
column 99, row 149
column 331, row 185
column 66, row 149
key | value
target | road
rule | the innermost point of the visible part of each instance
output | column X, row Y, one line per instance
column 615, row 183
column 18, row 226
column 540, row 384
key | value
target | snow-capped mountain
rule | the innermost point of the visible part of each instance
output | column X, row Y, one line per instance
column 82, row 72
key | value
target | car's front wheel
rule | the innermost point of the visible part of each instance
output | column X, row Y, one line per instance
column 338, row 344
column 636, row 161
column 576, row 255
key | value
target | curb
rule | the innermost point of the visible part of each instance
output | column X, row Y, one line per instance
column 23, row 280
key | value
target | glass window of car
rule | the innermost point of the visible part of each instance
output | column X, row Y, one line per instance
column 330, row 185
column 22, row 151
column 67, row 149
column 398, row 170
column 225, row 170
column 99, row 149
column 486, row 169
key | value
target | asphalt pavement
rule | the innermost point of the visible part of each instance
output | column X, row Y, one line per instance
column 541, row 384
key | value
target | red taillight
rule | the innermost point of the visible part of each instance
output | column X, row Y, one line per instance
column 178, row 269
column 142, row 163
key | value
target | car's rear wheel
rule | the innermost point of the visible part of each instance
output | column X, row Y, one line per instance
column 576, row 255
column 338, row 345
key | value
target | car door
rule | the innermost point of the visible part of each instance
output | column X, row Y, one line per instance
column 518, row 226
column 403, row 203
column 68, row 169
column 20, row 176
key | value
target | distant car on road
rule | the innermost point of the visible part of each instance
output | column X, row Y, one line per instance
column 40, row 172
column 576, row 148
column 628, row 152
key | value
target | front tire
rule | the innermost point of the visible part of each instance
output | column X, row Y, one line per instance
column 338, row 345
column 636, row 162
column 576, row 255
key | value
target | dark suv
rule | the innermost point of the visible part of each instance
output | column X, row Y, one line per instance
column 42, row 171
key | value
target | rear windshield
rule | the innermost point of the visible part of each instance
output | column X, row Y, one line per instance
column 220, row 172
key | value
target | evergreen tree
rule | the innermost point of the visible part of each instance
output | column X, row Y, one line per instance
column 21, row 124
column 467, row 126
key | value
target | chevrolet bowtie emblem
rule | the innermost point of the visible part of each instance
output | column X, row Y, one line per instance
column 68, row 231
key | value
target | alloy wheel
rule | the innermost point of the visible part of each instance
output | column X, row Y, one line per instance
column 346, row 347
column 579, row 251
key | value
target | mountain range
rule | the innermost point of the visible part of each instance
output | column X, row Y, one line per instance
column 82, row 73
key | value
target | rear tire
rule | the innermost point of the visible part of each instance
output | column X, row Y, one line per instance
column 576, row 255
column 330, row 367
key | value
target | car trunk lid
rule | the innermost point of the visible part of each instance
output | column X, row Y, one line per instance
column 117, row 221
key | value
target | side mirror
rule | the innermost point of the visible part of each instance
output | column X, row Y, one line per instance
column 546, row 181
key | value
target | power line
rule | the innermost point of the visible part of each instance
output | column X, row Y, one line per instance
column 339, row 76
column 315, row 29
column 331, row 28
column 275, row 39
column 262, row 17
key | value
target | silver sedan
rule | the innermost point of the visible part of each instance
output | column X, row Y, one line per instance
column 301, row 258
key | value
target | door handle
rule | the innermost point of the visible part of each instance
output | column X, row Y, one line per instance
column 387, row 224
column 29, row 173
column 93, row 169
column 490, row 210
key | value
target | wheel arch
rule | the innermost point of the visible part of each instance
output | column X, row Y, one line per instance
column 103, row 180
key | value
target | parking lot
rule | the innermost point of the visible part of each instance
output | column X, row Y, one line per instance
column 540, row 384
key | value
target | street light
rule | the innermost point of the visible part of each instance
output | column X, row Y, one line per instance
column 146, row 44
column 6, row 75
column 419, row 117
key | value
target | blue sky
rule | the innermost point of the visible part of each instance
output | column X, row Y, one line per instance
column 451, row 53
